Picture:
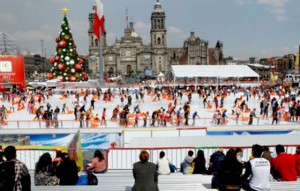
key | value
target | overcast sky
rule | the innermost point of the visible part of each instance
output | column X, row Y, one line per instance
column 248, row 28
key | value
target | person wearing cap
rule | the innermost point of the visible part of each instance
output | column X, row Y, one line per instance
column 297, row 157
column 252, row 114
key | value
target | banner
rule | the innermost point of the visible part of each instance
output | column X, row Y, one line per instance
column 12, row 72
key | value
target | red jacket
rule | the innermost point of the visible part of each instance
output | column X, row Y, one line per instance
column 284, row 165
column 297, row 157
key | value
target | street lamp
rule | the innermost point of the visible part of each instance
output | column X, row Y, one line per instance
column 42, row 60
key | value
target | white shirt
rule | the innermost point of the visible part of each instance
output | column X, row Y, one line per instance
column 260, row 168
column 163, row 166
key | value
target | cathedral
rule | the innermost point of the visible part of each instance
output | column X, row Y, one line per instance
column 129, row 56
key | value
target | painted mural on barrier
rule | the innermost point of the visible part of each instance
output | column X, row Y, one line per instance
column 222, row 133
column 99, row 141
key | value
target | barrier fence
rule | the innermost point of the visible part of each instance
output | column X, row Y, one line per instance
column 123, row 158
column 202, row 122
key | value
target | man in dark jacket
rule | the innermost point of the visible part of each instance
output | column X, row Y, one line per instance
column 214, row 164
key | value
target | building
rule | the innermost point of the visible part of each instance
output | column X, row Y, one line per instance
column 130, row 56
column 195, row 51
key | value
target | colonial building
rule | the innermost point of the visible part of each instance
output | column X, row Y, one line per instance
column 130, row 55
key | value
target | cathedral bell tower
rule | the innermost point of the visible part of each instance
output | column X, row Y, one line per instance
column 159, row 40
column 158, row 27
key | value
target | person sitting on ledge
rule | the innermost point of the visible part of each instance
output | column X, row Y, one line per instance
column 98, row 163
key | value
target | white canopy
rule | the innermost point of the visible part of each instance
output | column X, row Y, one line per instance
column 160, row 75
column 210, row 71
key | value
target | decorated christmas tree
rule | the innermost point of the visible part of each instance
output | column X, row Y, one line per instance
column 67, row 65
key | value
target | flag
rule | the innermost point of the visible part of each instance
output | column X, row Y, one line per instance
column 99, row 19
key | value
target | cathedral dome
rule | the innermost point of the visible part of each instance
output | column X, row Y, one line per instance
column 158, row 7
column 134, row 34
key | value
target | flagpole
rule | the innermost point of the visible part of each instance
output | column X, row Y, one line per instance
column 101, row 57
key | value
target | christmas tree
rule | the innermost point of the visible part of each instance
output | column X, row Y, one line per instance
column 67, row 65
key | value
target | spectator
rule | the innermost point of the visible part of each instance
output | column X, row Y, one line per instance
column 239, row 155
column 297, row 157
column 98, row 163
column 187, row 161
column 67, row 170
column 258, row 169
column 44, row 172
column 22, row 176
column 163, row 164
column 284, row 165
column 57, row 159
column 199, row 163
column 230, row 171
column 1, row 157
column 214, row 164
column 145, row 174
column 267, row 153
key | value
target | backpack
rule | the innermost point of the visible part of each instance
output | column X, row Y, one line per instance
column 92, row 179
column 7, row 176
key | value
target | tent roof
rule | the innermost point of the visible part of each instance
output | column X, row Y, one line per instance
column 221, row 71
column 160, row 75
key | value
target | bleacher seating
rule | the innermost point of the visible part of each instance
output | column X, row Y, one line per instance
column 122, row 180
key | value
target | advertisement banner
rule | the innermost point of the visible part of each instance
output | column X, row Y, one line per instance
column 12, row 73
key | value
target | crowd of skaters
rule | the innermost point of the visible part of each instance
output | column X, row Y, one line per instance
column 276, row 103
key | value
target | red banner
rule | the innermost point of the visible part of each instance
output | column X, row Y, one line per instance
column 12, row 74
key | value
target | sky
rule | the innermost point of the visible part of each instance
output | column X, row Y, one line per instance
column 247, row 28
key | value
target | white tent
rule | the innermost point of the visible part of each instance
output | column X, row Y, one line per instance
column 161, row 77
column 213, row 71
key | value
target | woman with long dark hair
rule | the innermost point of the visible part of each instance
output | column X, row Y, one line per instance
column 98, row 163
column 44, row 172
column 199, row 163
column 230, row 171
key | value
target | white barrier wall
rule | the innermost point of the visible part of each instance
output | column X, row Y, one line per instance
column 168, row 132
column 124, row 158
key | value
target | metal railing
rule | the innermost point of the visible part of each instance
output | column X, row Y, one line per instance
column 202, row 122
column 123, row 158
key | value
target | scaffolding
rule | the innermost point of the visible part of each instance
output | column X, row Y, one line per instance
column 9, row 45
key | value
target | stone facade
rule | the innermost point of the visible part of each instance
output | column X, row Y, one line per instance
column 130, row 56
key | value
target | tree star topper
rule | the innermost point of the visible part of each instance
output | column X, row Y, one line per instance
column 65, row 10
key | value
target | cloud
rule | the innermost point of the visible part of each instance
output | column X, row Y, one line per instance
column 111, row 37
column 176, row 35
column 143, row 30
column 275, row 3
column 79, row 28
column 242, row 2
column 32, row 35
column 7, row 17
column 276, row 7
column 61, row 1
